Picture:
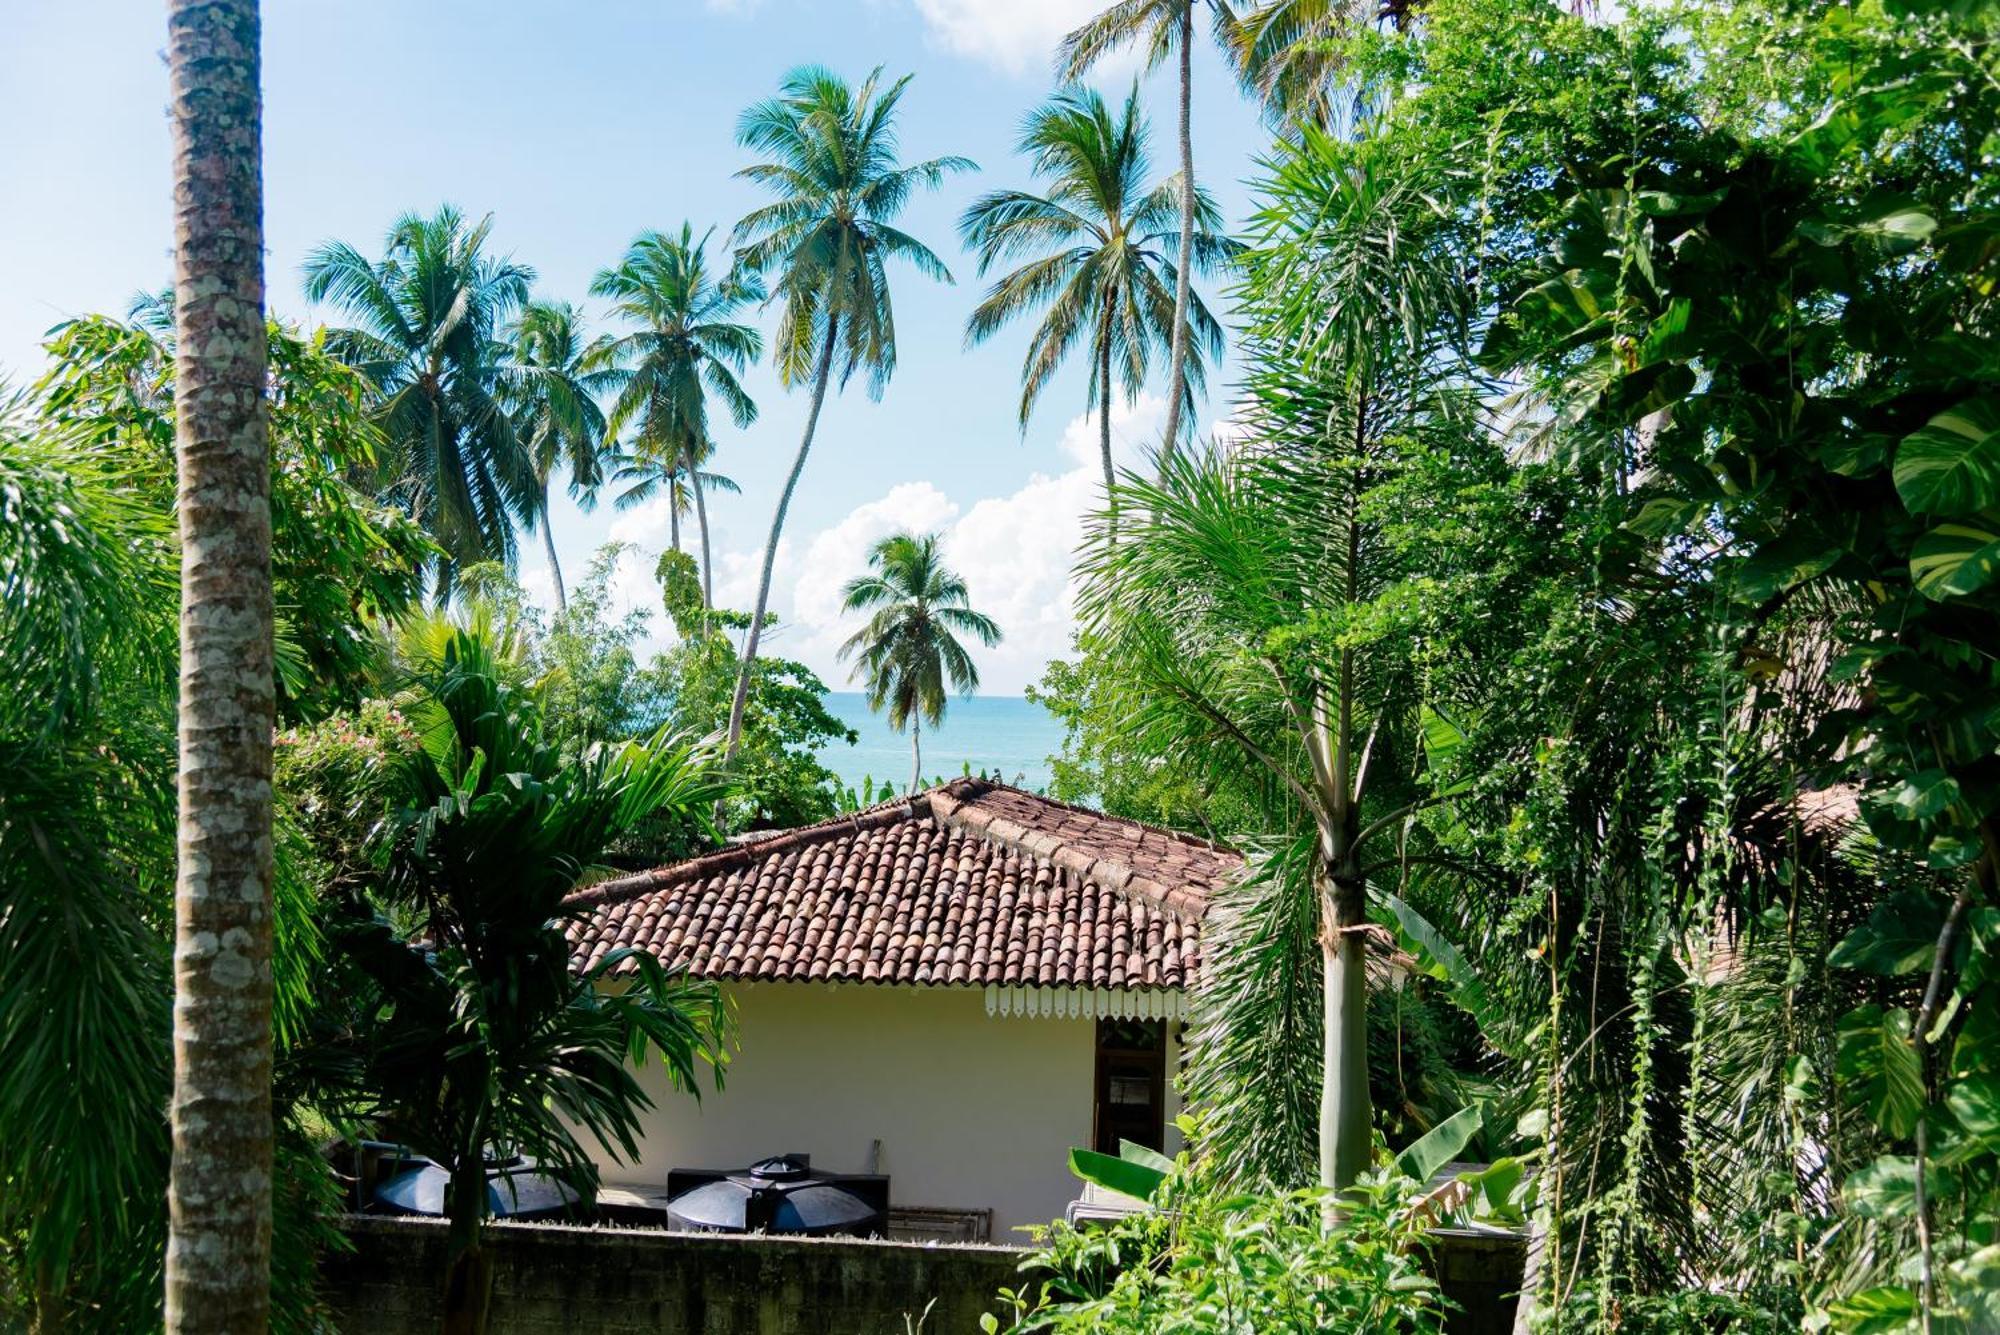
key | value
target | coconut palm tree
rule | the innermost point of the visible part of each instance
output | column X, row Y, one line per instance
column 1099, row 238
column 552, row 381
column 646, row 475
column 832, row 163
column 426, row 317
column 910, row 649
column 218, row 1258
column 1162, row 28
column 685, row 347
column 1290, row 52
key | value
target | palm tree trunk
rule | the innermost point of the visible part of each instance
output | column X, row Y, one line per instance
column 1104, row 406
column 1177, row 362
column 916, row 753
column 555, row 566
column 673, row 518
column 820, row 376
column 1346, row 1114
column 218, row 1271
column 701, row 520
column 468, row 1287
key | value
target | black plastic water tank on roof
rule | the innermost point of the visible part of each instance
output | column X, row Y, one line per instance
column 781, row 1194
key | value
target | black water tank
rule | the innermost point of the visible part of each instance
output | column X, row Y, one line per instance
column 778, row 1195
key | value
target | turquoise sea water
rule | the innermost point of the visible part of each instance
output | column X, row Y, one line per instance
column 1003, row 733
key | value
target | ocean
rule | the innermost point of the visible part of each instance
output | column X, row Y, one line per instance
column 996, row 733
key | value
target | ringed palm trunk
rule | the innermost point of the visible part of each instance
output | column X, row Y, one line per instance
column 219, row 1194
column 1346, row 1117
column 820, row 376
column 1177, row 361
column 916, row 753
column 701, row 521
column 673, row 517
column 549, row 546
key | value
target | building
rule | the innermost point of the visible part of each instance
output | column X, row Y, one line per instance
column 951, row 989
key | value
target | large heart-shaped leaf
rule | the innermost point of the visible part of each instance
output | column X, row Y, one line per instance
column 1899, row 937
column 1951, row 465
column 1953, row 560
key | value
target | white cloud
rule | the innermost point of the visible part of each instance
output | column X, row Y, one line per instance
column 1015, row 552
column 1016, row 36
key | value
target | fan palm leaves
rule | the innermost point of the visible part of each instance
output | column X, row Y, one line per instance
column 831, row 159
column 684, row 346
column 425, row 321
column 909, row 652
column 1100, row 271
column 1160, row 28
column 552, row 381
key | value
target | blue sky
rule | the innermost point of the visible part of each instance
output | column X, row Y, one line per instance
column 576, row 125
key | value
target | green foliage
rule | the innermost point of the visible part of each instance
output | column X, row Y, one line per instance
column 592, row 687
column 1101, row 766
column 87, row 628
column 341, row 563
column 480, row 1034
column 1207, row 1261
column 1134, row 1171
column 1101, row 246
column 828, row 237
column 426, row 335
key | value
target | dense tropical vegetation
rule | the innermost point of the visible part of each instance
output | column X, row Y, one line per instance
column 1593, row 608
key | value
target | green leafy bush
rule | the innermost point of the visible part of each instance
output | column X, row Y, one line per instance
column 1209, row 1262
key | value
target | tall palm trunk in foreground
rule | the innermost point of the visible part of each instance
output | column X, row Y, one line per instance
column 821, row 374
column 219, row 1239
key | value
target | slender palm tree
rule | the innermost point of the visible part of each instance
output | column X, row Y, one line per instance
column 218, row 1262
column 1099, row 236
column 552, row 381
column 832, row 165
column 1202, row 599
column 910, row 649
column 426, row 317
column 646, row 475
column 1162, row 28
column 685, row 346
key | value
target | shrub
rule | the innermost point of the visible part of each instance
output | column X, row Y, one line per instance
column 1213, row 1263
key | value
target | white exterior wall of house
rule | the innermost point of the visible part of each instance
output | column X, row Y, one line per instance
column 973, row 1111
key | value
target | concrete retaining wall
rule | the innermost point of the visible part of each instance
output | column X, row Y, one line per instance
column 558, row 1280
column 552, row 1280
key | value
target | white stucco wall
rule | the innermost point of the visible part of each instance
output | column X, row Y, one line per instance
column 972, row 1110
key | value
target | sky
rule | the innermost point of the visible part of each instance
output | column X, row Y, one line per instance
column 576, row 125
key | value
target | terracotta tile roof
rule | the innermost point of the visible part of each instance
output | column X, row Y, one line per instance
column 973, row 883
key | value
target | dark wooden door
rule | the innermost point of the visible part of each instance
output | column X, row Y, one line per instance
column 1131, row 1084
